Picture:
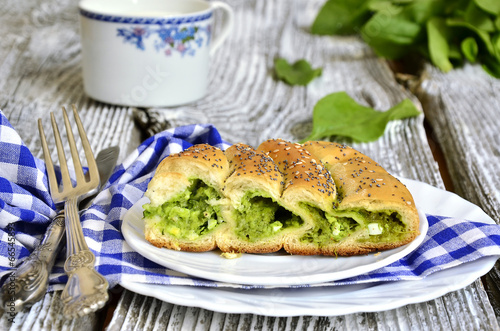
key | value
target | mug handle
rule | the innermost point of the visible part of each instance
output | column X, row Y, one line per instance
column 226, row 27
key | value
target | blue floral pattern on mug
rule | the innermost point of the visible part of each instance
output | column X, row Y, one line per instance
column 169, row 39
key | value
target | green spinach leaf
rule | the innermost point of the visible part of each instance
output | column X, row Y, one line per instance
column 396, row 28
column 483, row 35
column 300, row 73
column 421, row 11
column 478, row 18
column 340, row 17
column 337, row 114
column 470, row 49
column 497, row 23
column 390, row 36
column 491, row 6
column 439, row 51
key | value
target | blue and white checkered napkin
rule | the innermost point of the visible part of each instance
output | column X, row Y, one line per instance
column 26, row 209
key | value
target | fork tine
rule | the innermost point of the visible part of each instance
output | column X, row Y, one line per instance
column 72, row 146
column 48, row 160
column 91, row 162
column 66, row 180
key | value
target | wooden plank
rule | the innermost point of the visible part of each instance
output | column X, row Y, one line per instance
column 40, row 72
column 462, row 107
column 47, row 315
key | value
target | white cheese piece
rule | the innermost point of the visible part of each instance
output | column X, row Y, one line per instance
column 374, row 229
column 211, row 224
column 276, row 226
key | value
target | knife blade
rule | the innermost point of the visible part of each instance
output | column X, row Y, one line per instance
column 106, row 161
column 28, row 283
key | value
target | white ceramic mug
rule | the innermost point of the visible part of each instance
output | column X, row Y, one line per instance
column 149, row 53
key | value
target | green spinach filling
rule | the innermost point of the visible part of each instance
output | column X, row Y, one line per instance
column 328, row 228
column 383, row 226
column 260, row 217
column 389, row 225
column 196, row 212
column 188, row 215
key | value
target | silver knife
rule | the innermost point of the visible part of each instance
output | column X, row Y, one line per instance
column 28, row 283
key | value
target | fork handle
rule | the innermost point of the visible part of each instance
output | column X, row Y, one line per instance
column 74, row 233
column 86, row 289
column 31, row 277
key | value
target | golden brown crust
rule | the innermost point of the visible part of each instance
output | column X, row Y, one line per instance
column 251, row 171
column 199, row 161
column 306, row 179
column 295, row 246
column 359, row 177
column 307, row 182
column 331, row 177
column 228, row 243
column 364, row 184
column 207, row 243
column 173, row 176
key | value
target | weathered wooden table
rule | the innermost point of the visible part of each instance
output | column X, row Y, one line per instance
column 456, row 145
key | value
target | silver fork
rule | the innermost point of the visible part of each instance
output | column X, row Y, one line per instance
column 86, row 290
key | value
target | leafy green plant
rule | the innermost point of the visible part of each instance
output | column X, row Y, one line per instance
column 299, row 73
column 447, row 32
column 337, row 114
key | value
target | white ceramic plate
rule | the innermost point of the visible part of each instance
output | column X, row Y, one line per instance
column 277, row 269
column 318, row 301
column 340, row 300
